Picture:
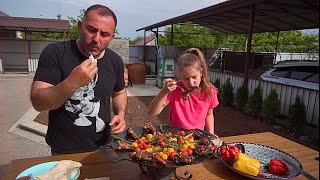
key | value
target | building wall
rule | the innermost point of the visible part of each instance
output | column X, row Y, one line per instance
column 121, row 46
column 16, row 53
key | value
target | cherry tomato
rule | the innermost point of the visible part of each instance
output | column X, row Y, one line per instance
column 181, row 140
column 182, row 150
column 159, row 133
column 137, row 149
column 181, row 133
column 134, row 144
column 164, row 157
column 160, row 139
column 169, row 133
column 191, row 139
column 149, row 136
column 172, row 154
column 185, row 153
column 189, row 151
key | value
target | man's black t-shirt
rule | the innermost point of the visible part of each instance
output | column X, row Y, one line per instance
column 81, row 123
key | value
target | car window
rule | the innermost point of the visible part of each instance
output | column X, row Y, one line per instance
column 314, row 78
column 303, row 72
column 282, row 71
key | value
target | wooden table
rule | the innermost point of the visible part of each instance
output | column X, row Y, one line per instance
column 95, row 164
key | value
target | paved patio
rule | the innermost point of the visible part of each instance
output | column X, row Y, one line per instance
column 20, row 136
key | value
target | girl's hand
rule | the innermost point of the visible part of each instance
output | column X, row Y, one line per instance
column 170, row 85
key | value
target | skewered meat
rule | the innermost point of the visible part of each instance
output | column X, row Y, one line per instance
column 195, row 134
column 142, row 155
column 133, row 133
column 203, row 141
column 123, row 145
column 203, row 150
column 182, row 159
column 148, row 128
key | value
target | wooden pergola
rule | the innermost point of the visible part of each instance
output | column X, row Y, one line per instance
column 248, row 17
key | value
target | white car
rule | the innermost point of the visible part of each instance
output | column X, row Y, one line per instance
column 303, row 74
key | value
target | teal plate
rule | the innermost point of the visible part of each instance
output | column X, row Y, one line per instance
column 43, row 168
column 264, row 154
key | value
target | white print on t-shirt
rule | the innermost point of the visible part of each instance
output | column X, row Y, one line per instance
column 86, row 108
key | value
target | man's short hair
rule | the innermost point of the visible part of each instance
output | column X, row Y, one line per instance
column 102, row 10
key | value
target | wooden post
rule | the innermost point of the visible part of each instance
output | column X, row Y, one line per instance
column 277, row 47
column 248, row 47
column 144, row 47
column 171, row 38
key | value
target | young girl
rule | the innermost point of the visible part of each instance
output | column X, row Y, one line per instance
column 191, row 99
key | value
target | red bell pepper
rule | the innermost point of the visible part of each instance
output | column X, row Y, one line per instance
column 159, row 160
column 278, row 167
column 229, row 152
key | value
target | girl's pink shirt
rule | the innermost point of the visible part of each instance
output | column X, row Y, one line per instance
column 190, row 114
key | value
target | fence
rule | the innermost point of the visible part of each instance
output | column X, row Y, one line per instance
column 287, row 93
column 32, row 65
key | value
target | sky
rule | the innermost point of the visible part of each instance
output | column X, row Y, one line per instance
column 131, row 14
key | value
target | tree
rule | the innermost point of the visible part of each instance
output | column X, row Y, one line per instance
column 199, row 36
column 135, row 40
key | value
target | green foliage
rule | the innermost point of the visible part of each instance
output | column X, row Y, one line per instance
column 217, row 85
column 148, row 69
column 192, row 36
column 199, row 36
column 227, row 94
column 242, row 96
column 271, row 107
column 297, row 114
column 135, row 40
column 73, row 22
column 255, row 102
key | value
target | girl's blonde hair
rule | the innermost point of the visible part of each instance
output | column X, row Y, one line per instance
column 194, row 57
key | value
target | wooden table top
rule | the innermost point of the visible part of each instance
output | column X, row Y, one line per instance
column 95, row 164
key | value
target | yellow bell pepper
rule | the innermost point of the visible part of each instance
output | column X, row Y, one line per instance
column 246, row 164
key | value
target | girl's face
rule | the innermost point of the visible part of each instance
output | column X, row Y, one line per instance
column 191, row 77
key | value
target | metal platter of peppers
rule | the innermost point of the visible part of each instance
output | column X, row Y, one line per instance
column 257, row 161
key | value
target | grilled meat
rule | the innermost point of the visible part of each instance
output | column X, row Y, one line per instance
column 203, row 141
column 148, row 128
column 142, row 155
column 195, row 134
column 123, row 145
column 182, row 159
column 203, row 150
column 133, row 133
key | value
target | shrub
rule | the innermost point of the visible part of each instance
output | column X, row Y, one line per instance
column 297, row 114
column 148, row 69
column 255, row 102
column 227, row 94
column 217, row 85
column 271, row 107
column 242, row 97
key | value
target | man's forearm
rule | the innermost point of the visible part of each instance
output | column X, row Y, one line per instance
column 51, row 97
column 119, row 104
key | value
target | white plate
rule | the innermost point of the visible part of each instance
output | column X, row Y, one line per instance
column 43, row 168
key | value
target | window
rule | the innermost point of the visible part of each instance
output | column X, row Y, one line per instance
column 282, row 72
column 304, row 72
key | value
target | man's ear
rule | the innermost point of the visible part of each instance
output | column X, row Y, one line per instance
column 79, row 25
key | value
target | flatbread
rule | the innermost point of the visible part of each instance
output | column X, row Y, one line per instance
column 92, row 59
column 63, row 170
